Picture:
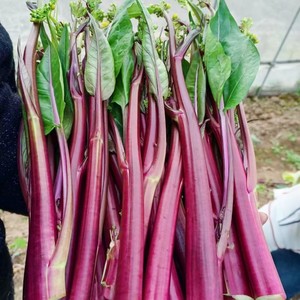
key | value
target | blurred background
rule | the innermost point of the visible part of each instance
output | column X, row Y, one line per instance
column 273, row 105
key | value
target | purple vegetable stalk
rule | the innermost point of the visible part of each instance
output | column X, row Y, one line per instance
column 155, row 151
column 92, row 221
column 259, row 264
column 158, row 268
column 77, row 146
column 249, row 156
column 225, row 214
column 202, row 278
column 129, row 282
column 57, row 264
column 42, row 224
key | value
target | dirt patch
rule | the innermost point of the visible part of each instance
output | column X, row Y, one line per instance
column 275, row 126
column 16, row 237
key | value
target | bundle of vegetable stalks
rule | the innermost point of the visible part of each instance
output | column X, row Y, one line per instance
column 135, row 158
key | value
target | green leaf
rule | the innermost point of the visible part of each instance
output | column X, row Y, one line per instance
column 99, row 55
column 121, row 39
column 120, row 97
column 117, row 114
column 63, row 51
column 185, row 67
column 138, row 51
column 127, row 73
column 244, row 55
column 128, row 7
column 197, row 12
column 51, row 89
column 134, row 11
column 64, row 48
column 19, row 243
column 196, row 84
column 44, row 37
column 218, row 65
column 118, row 103
column 155, row 68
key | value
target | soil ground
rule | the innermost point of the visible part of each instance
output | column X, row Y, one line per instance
column 275, row 126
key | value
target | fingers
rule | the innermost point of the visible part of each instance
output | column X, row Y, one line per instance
column 263, row 217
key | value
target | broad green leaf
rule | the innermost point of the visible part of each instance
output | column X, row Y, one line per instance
column 128, row 7
column 120, row 97
column 197, row 12
column 244, row 55
column 120, row 39
column 50, row 87
column 218, row 65
column 127, row 73
column 155, row 68
column 196, row 84
column 63, row 51
column 138, row 51
column 99, row 55
column 118, row 103
column 64, row 48
column 185, row 67
column 134, row 11
column 44, row 37
column 117, row 114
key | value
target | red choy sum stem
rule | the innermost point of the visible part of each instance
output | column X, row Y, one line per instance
column 79, row 130
column 42, row 223
column 117, row 156
column 249, row 155
column 115, row 171
column 57, row 265
column 56, row 268
column 237, row 282
column 202, row 278
column 112, row 215
column 153, row 173
column 24, row 166
column 150, row 142
column 129, row 283
column 225, row 215
column 77, row 145
column 175, row 287
column 98, row 289
column 158, row 268
column 179, row 244
column 91, row 229
column 259, row 264
column 214, row 177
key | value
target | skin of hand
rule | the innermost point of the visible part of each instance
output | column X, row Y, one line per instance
column 263, row 217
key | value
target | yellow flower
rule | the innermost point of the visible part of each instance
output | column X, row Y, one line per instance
column 104, row 24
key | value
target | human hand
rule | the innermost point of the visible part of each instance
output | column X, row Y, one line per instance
column 263, row 217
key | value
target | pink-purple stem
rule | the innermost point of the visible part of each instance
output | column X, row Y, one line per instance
column 129, row 283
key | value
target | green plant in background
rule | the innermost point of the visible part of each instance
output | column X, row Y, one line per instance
column 260, row 188
column 255, row 139
column 291, row 177
column 287, row 155
column 293, row 158
column 18, row 246
column 292, row 138
column 277, row 148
